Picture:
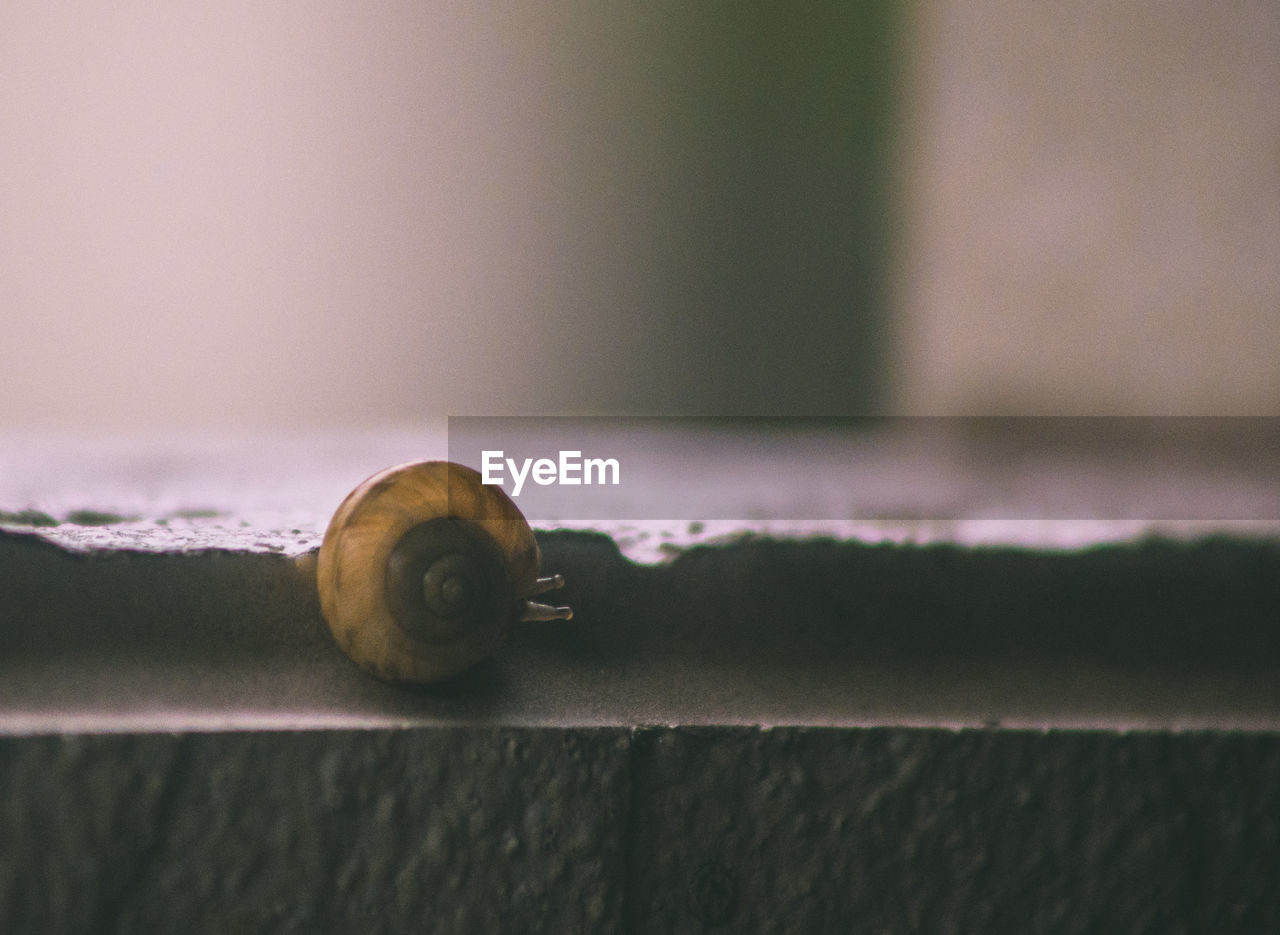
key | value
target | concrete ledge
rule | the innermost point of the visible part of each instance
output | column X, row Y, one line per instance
column 656, row 830
column 173, row 589
column 757, row 733
column 1154, row 634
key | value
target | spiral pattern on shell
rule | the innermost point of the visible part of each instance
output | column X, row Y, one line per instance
column 423, row 571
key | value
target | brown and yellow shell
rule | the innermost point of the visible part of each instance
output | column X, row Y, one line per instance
column 424, row 570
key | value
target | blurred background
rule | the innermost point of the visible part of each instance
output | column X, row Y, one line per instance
column 266, row 217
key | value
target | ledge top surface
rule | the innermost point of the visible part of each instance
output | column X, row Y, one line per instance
column 122, row 617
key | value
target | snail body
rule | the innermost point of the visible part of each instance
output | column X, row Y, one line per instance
column 424, row 570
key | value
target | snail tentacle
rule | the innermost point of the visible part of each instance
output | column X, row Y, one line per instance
column 543, row 585
column 533, row 612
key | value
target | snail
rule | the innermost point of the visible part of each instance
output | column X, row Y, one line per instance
column 424, row 570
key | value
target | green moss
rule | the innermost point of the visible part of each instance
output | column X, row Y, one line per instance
column 96, row 518
column 27, row 518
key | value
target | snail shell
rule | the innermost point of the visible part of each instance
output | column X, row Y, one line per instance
column 424, row 570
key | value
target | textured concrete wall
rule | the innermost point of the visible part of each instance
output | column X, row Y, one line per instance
column 647, row 831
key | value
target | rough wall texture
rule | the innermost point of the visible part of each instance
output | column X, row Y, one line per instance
column 653, row 830
column 394, row 831
column 975, row 831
